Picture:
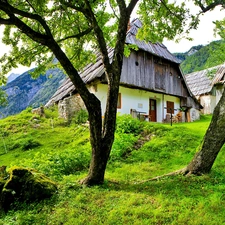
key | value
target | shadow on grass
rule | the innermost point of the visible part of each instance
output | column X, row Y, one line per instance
column 174, row 186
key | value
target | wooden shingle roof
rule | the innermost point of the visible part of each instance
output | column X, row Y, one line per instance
column 157, row 49
column 88, row 74
column 220, row 75
column 202, row 82
column 95, row 70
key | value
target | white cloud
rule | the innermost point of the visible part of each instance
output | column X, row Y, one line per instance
column 202, row 36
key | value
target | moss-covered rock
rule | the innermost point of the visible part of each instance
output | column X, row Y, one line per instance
column 25, row 185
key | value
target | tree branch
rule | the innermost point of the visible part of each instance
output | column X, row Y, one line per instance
column 99, row 34
column 122, row 6
column 131, row 6
column 6, row 21
column 72, row 6
column 10, row 10
column 114, row 13
column 210, row 6
column 30, row 5
column 169, row 10
column 79, row 35
column 177, row 172
column 27, row 52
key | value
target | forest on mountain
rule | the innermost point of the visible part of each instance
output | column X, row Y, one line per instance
column 202, row 57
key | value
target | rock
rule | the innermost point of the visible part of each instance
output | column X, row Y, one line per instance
column 39, row 111
column 25, row 186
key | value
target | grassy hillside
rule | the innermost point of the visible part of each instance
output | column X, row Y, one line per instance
column 141, row 151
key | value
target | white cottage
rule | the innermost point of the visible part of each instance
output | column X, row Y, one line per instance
column 152, row 85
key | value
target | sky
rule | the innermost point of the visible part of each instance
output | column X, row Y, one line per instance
column 202, row 36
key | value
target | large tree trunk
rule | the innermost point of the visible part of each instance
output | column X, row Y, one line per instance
column 102, row 137
column 102, row 142
column 211, row 143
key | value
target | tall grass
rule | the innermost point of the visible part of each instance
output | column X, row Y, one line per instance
column 141, row 151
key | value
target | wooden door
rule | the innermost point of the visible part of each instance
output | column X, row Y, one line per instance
column 152, row 110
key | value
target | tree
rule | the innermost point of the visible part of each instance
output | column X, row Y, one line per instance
column 214, row 138
column 67, row 26
column 211, row 144
column 71, row 30
column 3, row 98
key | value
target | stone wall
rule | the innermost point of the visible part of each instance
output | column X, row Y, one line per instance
column 68, row 106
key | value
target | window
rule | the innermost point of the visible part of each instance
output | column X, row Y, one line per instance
column 170, row 107
column 119, row 103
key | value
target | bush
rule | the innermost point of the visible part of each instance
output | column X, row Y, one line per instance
column 127, row 124
column 122, row 146
column 80, row 117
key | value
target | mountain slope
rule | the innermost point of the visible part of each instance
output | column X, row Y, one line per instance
column 25, row 91
column 202, row 57
column 12, row 77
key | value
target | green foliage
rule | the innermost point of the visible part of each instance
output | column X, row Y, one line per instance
column 3, row 98
column 168, row 144
column 220, row 27
column 126, row 124
column 80, row 117
column 128, row 48
column 25, row 144
column 163, row 20
column 72, row 32
column 211, row 73
column 57, row 164
column 122, row 146
column 183, row 56
column 207, row 56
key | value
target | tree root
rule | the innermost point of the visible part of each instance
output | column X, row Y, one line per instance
column 183, row 171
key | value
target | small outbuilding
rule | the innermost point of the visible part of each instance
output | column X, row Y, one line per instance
column 207, row 86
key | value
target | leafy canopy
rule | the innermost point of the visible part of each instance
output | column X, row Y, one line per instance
column 67, row 22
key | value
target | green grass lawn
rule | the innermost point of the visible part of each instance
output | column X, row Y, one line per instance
column 140, row 151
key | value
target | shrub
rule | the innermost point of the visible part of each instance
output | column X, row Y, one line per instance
column 80, row 117
column 28, row 144
column 127, row 124
column 51, row 112
column 122, row 146
column 58, row 163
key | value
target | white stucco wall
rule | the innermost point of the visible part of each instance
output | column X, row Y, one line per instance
column 209, row 103
column 139, row 100
column 130, row 99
